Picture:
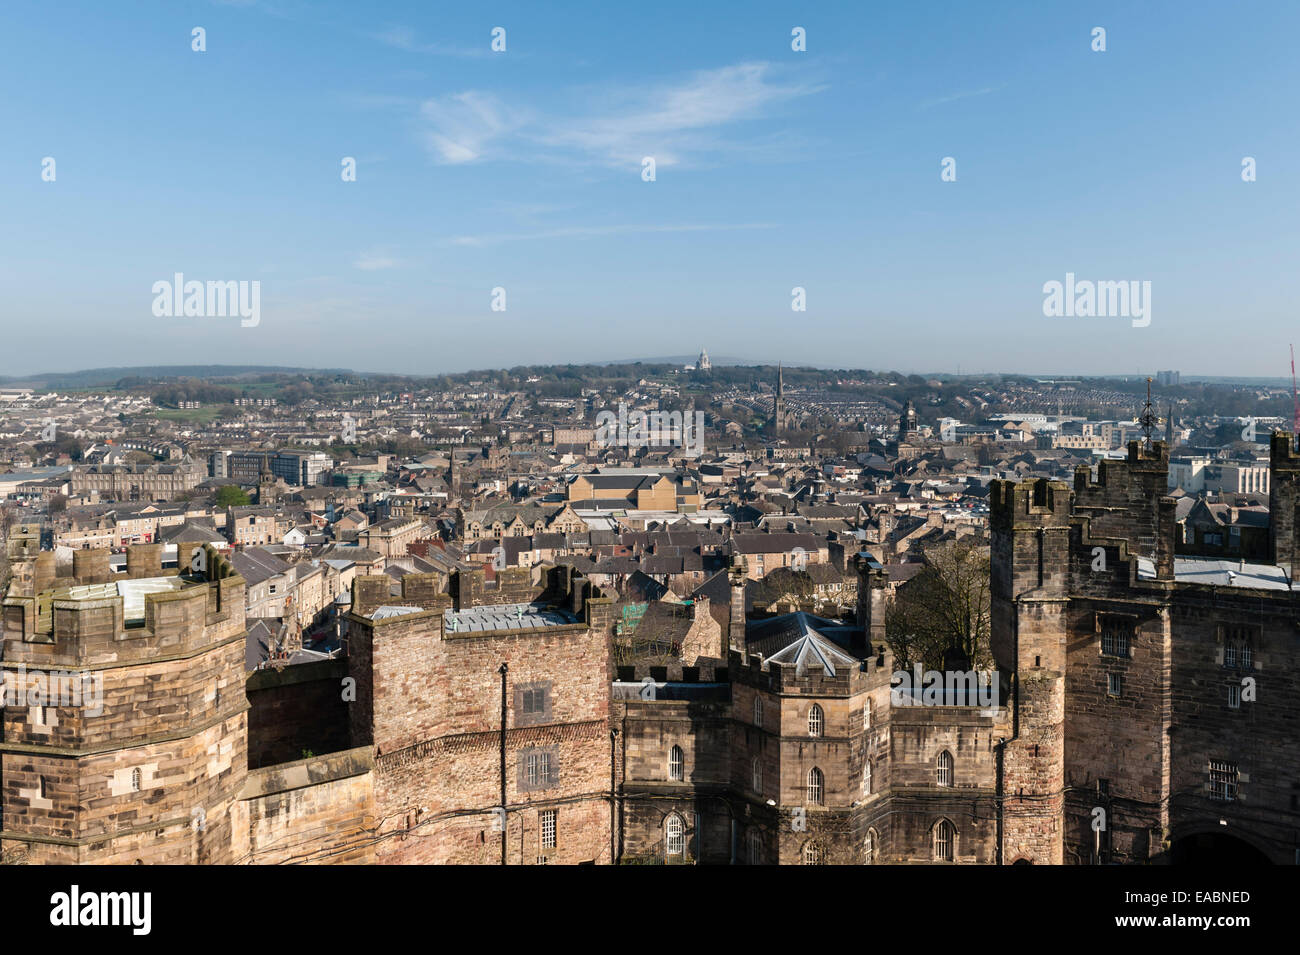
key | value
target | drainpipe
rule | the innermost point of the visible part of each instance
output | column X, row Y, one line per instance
column 504, row 828
column 613, row 788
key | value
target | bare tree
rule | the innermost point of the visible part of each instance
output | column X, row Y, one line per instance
column 943, row 608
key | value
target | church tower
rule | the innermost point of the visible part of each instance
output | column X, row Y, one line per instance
column 778, row 402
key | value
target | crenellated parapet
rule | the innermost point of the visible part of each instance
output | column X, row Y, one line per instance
column 1020, row 504
column 101, row 620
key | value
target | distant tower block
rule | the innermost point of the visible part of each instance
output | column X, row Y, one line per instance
column 704, row 364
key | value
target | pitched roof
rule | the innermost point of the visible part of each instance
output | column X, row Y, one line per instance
column 812, row 649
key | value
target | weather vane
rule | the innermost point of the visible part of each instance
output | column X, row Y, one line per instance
column 1148, row 419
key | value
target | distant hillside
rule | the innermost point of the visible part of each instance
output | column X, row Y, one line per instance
column 103, row 377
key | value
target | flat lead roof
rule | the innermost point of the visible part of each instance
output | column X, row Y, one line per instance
column 1220, row 573
column 132, row 593
column 506, row 617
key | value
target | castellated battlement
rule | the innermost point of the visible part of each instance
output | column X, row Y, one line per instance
column 155, row 740
column 675, row 672
column 1281, row 453
column 1036, row 503
column 1147, row 468
column 97, row 618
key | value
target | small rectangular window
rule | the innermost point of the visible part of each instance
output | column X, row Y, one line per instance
column 1223, row 781
column 548, row 828
column 1238, row 647
column 1116, row 638
column 533, row 703
column 1234, row 696
column 1114, row 684
column 538, row 768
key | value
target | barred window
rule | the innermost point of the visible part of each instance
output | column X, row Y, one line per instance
column 674, row 836
column 756, row 775
column 943, row 769
column 816, row 787
column 1223, row 781
column 872, row 847
column 136, row 779
column 945, row 841
column 755, row 847
column 676, row 764
column 866, row 714
column 813, row 854
column 866, row 778
column 1234, row 696
column 758, row 711
column 539, row 768
column 548, row 828
column 816, row 720
column 1114, row 684
column 1238, row 647
column 1116, row 637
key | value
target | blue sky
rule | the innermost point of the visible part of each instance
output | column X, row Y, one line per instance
column 774, row 169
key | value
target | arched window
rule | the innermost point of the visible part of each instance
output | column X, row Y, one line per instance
column 756, row 774
column 813, row 855
column 872, row 847
column 943, row 768
column 758, row 711
column 816, row 721
column 755, row 847
column 135, row 780
column 674, row 836
column 816, row 787
column 866, row 778
column 676, row 764
column 945, row 841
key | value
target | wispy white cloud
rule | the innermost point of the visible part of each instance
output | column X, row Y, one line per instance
column 375, row 261
column 687, row 121
column 404, row 38
column 966, row 94
column 675, row 121
column 463, row 125
column 592, row 232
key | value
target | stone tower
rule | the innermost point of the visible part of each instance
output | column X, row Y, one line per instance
column 134, row 748
column 1029, row 603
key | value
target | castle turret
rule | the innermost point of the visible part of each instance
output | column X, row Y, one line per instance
column 1029, row 600
column 126, row 739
